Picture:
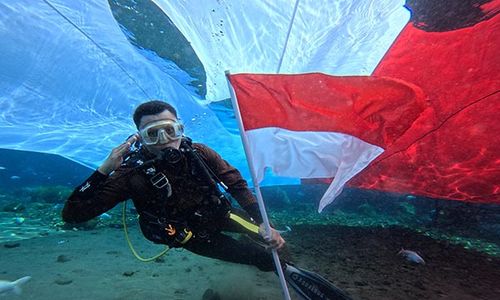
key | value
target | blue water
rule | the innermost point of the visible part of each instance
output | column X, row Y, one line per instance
column 354, row 242
column 153, row 58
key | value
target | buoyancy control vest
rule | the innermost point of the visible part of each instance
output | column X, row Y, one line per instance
column 159, row 218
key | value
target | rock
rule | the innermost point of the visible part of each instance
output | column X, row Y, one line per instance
column 11, row 245
column 63, row 281
column 160, row 260
column 180, row 291
column 63, row 259
column 360, row 283
column 128, row 273
column 211, row 295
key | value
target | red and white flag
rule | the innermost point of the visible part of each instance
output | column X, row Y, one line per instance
column 319, row 126
column 455, row 154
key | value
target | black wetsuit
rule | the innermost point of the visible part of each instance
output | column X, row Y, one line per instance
column 188, row 201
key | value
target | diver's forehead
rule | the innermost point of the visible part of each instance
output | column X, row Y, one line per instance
column 163, row 116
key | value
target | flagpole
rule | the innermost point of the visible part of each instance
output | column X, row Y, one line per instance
column 260, row 201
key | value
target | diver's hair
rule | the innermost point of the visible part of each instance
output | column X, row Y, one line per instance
column 152, row 107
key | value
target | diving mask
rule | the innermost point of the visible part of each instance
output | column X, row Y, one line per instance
column 161, row 132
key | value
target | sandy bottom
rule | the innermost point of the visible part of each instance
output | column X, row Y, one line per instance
column 97, row 264
column 363, row 262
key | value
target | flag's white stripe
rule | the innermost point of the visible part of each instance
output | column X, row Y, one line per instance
column 310, row 154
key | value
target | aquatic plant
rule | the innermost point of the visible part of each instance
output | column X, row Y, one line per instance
column 49, row 194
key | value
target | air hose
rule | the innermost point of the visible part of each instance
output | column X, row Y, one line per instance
column 124, row 222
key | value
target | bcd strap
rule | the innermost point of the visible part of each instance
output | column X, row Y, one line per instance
column 206, row 172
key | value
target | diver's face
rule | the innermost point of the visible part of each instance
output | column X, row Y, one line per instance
column 163, row 144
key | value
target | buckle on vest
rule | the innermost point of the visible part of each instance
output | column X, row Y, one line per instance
column 160, row 181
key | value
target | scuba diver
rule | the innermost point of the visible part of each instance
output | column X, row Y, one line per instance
column 175, row 187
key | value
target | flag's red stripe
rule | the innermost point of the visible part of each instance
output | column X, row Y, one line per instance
column 376, row 110
column 460, row 157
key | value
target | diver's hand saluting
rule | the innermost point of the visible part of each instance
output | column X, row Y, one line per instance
column 115, row 158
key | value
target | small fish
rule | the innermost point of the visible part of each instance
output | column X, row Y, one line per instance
column 3, row 168
column 14, row 286
column 411, row 256
column 15, row 177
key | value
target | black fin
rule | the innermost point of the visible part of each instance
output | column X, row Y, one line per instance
column 312, row 286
